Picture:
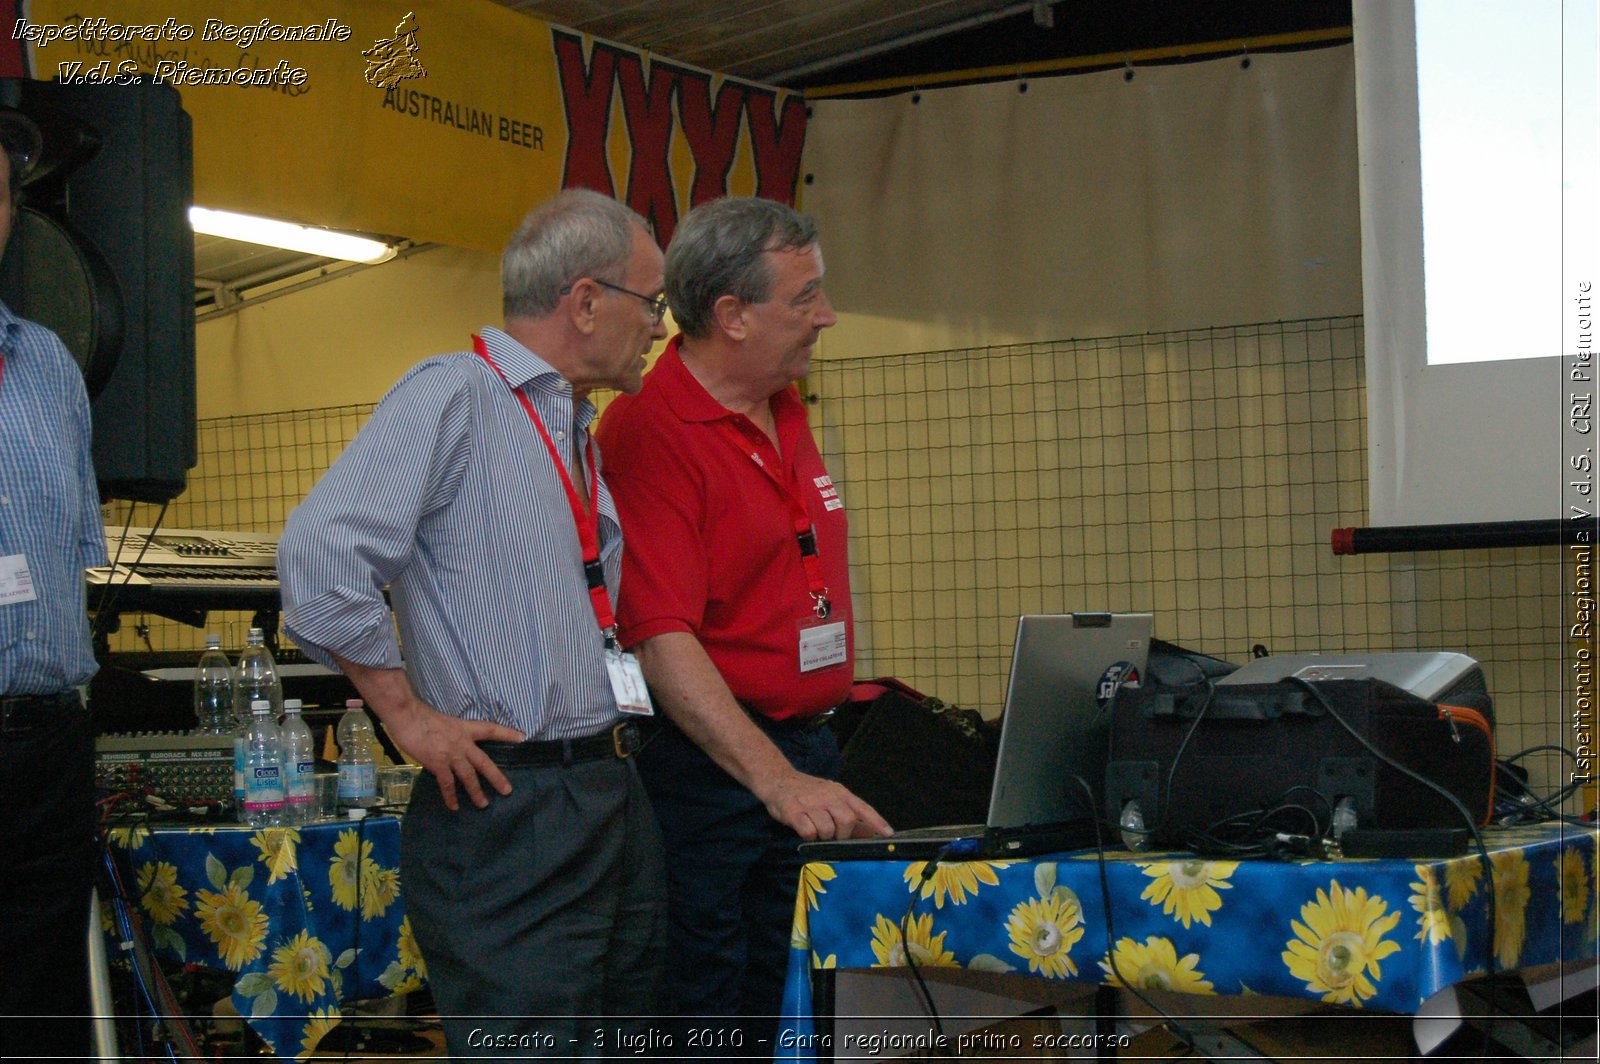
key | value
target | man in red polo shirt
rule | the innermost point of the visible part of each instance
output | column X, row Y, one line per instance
column 736, row 596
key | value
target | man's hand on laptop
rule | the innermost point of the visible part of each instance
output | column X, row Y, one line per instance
column 816, row 808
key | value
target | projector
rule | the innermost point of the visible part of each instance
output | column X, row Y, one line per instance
column 1437, row 676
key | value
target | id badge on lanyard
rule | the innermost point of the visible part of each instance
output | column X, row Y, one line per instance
column 16, row 580
column 821, row 643
column 622, row 668
column 627, row 682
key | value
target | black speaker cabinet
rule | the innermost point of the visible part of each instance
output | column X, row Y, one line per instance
column 102, row 253
column 1195, row 760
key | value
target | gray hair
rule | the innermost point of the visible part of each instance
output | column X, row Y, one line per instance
column 719, row 250
column 576, row 234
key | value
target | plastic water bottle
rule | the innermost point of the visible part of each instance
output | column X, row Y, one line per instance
column 240, row 731
column 358, row 773
column 299, row 767
column 256, row 677
column 213, row 690
column 263, row 768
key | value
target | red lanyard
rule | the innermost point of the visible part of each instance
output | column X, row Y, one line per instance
column 805, row 533
column 587, row 521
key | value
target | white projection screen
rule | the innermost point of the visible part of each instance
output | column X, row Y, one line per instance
column 1478, row 236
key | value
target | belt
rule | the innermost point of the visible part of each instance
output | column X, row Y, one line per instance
column 24, row 713
column 792, row 725
column 621, row 741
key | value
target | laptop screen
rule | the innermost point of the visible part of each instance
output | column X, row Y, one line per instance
column 1064, row 672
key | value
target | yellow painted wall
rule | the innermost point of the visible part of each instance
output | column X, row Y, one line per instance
column 346, row 340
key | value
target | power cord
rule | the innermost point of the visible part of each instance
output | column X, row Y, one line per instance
column 1164, row 799
column 954, row 848
column 1527, row 807
column 1256, row 837
column 961, row 848
column 1179, row 1031
column 1314, row 689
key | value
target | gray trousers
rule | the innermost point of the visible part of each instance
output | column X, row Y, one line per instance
column 542, row 918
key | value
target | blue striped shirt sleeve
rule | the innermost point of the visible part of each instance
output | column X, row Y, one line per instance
column 449, row 497
column 356, row 530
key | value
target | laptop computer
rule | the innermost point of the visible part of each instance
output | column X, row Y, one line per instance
column 1064, row 672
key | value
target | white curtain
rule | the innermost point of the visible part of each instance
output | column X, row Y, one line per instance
column 1209, row 193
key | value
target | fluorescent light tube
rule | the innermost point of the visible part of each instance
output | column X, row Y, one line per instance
column 325, row 242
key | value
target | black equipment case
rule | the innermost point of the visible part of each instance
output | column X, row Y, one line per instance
column 1249, row 747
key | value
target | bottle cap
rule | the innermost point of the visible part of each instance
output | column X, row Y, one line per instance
column 260, row 704
column 353, row 703
column 355, row 814
column 292, row 705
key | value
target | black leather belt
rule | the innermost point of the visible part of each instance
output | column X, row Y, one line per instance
column 619, row 742
column 793, row 724
column 25, row 713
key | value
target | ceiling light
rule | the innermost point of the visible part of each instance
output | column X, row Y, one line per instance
column 313, row 241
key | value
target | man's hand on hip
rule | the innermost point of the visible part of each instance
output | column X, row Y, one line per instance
column 444, row 745
column 448, row 747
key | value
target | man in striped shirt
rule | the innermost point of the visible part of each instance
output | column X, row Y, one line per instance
column 50, row 531
column 474, row 495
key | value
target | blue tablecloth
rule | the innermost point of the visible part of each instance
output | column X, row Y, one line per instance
column 305, row 917
column 1376, row 934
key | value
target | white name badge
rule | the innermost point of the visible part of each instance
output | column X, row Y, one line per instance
column 627, row 683
column 16, row 581
column 822, row 645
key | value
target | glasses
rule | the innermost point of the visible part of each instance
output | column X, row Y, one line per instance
column 657, row 304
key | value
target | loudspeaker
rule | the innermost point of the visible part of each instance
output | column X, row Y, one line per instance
column 103, row 254
column 1206, row 762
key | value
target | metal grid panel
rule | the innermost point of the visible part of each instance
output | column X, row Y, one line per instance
column 1196, row 475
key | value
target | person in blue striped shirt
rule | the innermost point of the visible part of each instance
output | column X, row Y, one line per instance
column 474, row 495
column 50, row 531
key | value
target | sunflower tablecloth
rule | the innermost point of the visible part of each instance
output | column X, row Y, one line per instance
column 1377, row 934
column 305, row 917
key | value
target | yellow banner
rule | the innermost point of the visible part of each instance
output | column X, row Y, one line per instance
column 436, row 120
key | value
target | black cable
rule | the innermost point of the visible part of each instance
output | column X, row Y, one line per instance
column 116, row 558
column 1548, row 805
column 1257, row 839
column 1111, row 753
column 928, row 871
column 1484, row 860
column 1205, row 677
column 1315, row 794
column 1542, row 748
column 1177, row 757
column 1179, row 1031
column 107, row 610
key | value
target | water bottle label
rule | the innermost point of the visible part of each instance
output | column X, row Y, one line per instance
column 238, row 766
column 264, row 788
column 357, row 781
column 301, row 783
